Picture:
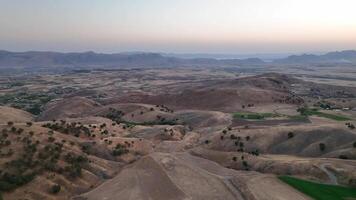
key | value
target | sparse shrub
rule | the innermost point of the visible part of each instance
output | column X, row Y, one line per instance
column 248, row 138
column 29, row 123
column 222, row 137
column 224, row 131
column 234, row 158
column 207, row 141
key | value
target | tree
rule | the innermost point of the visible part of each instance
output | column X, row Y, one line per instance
column 322, row 147
column 233, row 137
column 245, row 164
column 29, row 123
column 354, row 145
column 10, row 123
column 290, row 135
column 234, row 158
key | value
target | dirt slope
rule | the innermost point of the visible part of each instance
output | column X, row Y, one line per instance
column 182, row 176
column 67, row 108
column 15, row 115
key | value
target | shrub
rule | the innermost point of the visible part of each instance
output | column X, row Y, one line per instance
column 290, row 135
column 322, row 147
column 13, row 129
column 352, row 182
column 234, row 159
column 29, row 123
column 354, row 145
column 51, row 139
column 233, row 137
column 343, row 157
column 245, row 164
column 55, row 189
column 10, row 123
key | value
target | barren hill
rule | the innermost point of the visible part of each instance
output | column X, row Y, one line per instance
column 67, row 108
column 15, row 115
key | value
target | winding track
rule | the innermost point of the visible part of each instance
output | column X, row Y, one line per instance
column 332, row 177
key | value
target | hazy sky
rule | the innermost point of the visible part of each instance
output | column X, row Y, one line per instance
column 180, row 26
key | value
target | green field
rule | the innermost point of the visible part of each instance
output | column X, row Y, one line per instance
column 256, row 116
column 314, row 111
column 320, row 191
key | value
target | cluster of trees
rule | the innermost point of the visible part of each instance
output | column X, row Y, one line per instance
column 119, row 150
column 115, row 115
column 76, row 163
column 73, row 128
column 164, row 108
column 34, row 158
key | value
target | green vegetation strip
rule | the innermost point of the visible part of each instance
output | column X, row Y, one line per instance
column 314, row 111
column 320, row 191
column 240, row 115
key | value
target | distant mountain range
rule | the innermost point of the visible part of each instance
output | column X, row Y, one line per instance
column 35, row 59
column 348, row 56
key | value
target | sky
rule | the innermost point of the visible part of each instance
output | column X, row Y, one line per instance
column 178, row 26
